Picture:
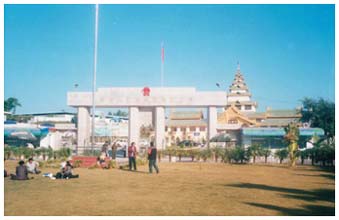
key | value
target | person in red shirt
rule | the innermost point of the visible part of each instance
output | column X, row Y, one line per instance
column 132, row 153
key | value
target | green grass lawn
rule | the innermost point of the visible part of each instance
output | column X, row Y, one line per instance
column 179, row 189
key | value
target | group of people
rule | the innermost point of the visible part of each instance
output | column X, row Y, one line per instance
column 66, row 171
column 104, row 155
column 22, row 171
column 151, row 156
column 31, row 167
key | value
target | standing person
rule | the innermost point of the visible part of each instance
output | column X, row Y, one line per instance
column 114, row 150
column 105, row 148
column 152, row 157
column 32, row 166
column 20, row 171
column 132, row 153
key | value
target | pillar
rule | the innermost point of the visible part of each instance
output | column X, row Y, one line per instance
column 212, row 122
column 160, row 127
column 83, row 127
column 134, row 127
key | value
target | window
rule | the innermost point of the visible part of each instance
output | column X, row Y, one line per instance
column 238, row 106
column 232, row 121
column 248, row 107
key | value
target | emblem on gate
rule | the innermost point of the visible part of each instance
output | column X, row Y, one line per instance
column 146, row 91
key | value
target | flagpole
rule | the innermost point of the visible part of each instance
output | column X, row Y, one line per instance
column 95, row 71
column 162, row 63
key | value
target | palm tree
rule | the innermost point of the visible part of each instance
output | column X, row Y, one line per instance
column 281, row 154
column 10, row 104
column 255, row 151
column 266, row 153
column 239, row 154
column 218, row 152
column 292, row 137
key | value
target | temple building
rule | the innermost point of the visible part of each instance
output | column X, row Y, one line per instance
column 239, row 121
column 245, row 126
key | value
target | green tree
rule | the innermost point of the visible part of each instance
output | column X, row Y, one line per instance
column 239, row 154
column 325, row 154
column 205, row 154
column 303, row 156
column 281, row 154
column 319, row 113
column 218, row 153
column 227, row 155
column 292, row 137
column 266, row 152
column 11, row 104
column 121, row 113
column 255, row 151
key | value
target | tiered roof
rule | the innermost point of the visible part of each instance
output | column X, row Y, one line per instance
column 238, row 84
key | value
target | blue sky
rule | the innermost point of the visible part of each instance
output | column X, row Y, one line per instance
column 286, row 52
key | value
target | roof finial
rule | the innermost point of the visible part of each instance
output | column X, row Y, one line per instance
column 238, row 66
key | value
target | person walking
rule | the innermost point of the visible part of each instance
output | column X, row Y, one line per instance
column 132, row 153
column 152, row 157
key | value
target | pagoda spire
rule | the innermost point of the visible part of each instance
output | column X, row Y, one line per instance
column 239, row 94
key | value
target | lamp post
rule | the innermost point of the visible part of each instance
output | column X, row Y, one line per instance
column 95, row 71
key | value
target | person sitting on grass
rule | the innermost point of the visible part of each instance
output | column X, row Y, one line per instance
column 101, row 161
column 66, row 172
column 32, row 166
column 20, row 171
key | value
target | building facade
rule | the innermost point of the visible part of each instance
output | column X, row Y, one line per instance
column 185, row 126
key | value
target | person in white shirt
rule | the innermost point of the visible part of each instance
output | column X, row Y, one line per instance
column 32, row 166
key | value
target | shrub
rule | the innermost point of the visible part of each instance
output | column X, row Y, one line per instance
column 42, row 164
column 63, row 152
column 218, row 152
column 180, row 153
column 254, row 151
column 7, row 152
column 89, row 152
column 170, row 151
column 325, row 154
column 141, row 161
column 112, row 164
column 77, row 163
column 205, row 154
column 226, row 157
column 238, row 154
column 266, row 152
column 281, row 154
column 303, row 155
